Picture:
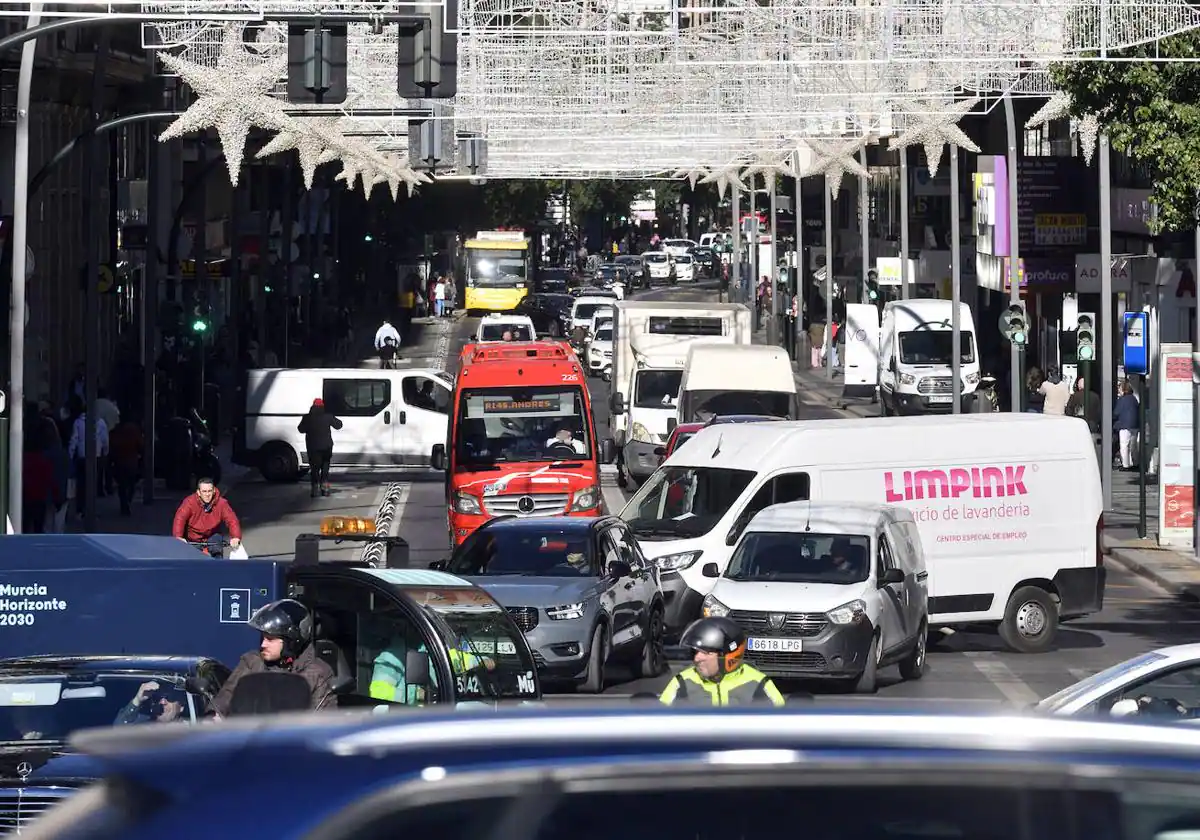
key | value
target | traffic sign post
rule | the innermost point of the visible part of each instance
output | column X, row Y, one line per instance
column 4, row 488
column 1137, row 361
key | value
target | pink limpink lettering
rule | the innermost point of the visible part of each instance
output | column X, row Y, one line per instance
column 974, row 482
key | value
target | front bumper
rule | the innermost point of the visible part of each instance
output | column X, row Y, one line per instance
column 561, row 648
column 639, row 458
column 682, row 603
column 598, row 364
column 838, row 652
column 908, row 404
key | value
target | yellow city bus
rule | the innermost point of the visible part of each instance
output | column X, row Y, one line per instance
column 498, row 270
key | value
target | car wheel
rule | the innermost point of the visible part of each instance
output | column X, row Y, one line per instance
column 868, row 681
column 653, row 660
column 593, row 683
column 912, row 667
column 279, row 462
column 1030, row 621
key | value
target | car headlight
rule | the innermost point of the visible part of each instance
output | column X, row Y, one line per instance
column 972, row 378
column 641, row 434
column 847, row 613
column 907, row 379
column 675, row 562
column 586, row 499
column 468, row 504
column 567, row 612
column 712, row 608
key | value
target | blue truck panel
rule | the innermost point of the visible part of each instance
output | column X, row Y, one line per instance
column 96, row 595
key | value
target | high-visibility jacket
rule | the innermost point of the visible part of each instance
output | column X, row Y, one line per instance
column 743, row 687
column 387, row 677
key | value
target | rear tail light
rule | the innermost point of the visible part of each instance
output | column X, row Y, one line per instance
column 1100, row 540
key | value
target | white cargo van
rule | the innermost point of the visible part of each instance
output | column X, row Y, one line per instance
column 915, row 374
column 650, row 344
column 736, row 379
column 390, row 418
column 1008, row 507
column 829, row 590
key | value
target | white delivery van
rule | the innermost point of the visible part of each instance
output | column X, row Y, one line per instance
column 390, row 418
column 829, row 590
column 494, row 325
column 650, row 344
column 915, row 338
column 736, row 379
column 1008, row 507
column 584, row 309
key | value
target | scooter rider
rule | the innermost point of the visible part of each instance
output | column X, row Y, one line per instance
column 287, row 634
column 201, row 515
column 387, row 341
column 718, row 676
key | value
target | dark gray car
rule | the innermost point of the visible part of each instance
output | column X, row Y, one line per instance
column 578, row 587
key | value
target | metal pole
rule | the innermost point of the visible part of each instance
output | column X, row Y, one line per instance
column 735, row 257
column 801, row 303
column 864, row 218
column 286, row 229
column 95, row 164
column 1195, row 417
column 904, row 278
column 955, row 281
column 773, row 268
column 158, row 169
column 16, row 313
column 752, row 256
column 828, row 278
column 1014, row 238
column 1142, row 527
column 1108, row 333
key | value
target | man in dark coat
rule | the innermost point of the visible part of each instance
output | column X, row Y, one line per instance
column 317, row 427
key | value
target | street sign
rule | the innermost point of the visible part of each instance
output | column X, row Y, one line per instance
column 1137, row 350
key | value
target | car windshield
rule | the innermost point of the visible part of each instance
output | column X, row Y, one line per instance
column 584, row 311
column 656, row 258
column 544, row 553
column 683, row 259
column 684, row 501
column 472, row 623
column 495, row 332
column 51, row 707
column 656, row 388
column 800, row 558
column 705, row 405
column 604, row 334
column 522, row 424
column 932, row 347
column 681, row 439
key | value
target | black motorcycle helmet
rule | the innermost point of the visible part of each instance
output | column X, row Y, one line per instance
column 717, row 635
column 288, row 620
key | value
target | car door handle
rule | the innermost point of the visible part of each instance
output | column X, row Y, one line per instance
column 387, row 417
column 403, row 417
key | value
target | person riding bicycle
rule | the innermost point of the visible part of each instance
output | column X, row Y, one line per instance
column 387, row 342
column 200, row 517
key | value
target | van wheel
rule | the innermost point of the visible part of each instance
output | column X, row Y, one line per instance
column 868, row 682
column 279, row 462
column 653, row 660
column 593, row 683
column 1030, row 621
column 912, row 667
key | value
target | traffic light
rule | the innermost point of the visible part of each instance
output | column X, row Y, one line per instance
column 1014, row 324
column 872, row 286
column 317, row 63
column 1085, row 336
column 199, row 325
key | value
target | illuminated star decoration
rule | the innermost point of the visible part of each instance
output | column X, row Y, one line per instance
column 232, row 97
column 771, row 165
column 835, row 161
column 693, row 174
column 1058, row 107
column 310, row 139
column 725, row 177
column 934, row 126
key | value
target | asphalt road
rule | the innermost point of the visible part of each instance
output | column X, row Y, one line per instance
column 965, row 668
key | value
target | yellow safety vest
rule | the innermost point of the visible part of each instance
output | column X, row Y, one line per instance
column 743, row 687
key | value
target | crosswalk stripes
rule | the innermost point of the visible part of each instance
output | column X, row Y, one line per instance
column 1002, row 677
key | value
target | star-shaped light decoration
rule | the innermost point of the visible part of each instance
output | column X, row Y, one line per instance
column 771, row 165
column 693, row 174
column 725, row 177
column 310, row 139
column 1089, row 133
column 1058, row 107
column 835, row 161
column 934, row 126
column 232, row 97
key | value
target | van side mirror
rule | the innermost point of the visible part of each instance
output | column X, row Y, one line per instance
column 671, row 424
column 416, row 668
column 616, row 403
column 437, row 457
column 608, row 451
column 891, row 576
column 660, row 451
column 438, row 565
column 710, row 570
column 892, row 365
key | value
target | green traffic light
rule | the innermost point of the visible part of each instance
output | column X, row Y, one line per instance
column 199, row 325
column 1084, row 354
column 368, row 238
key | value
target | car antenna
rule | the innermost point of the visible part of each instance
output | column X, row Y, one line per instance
column 808, row 519
column 717, row 451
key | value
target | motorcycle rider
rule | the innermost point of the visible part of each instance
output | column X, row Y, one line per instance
column 287, row 634
column 387, row 342
column 201, row 515
column 718, row 676
column 317, row 427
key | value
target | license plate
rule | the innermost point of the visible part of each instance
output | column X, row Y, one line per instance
column 776, row 645
column 941, row 398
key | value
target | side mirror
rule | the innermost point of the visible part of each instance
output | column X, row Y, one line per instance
column 438, row 565
column 891, row 576
column 616, row 403
column 671, row 424
column 892, row 366
column 710, row 570
column 660, row 451
column 619, row 569
column 437, row 457
column 416, row 668
column 608, row 451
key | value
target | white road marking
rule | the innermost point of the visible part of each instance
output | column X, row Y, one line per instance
column 1080, row 673
column 1003, row 677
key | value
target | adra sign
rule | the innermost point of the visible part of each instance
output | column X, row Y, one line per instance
column 1087, row 274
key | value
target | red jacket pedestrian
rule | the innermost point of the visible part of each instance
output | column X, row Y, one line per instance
column 201, row 515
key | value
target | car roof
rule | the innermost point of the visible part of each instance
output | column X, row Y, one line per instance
column 839, row 517
column 741, row 418
column 82, row 664
column 689, row 428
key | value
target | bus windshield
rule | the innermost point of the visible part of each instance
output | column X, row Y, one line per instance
column 546, row 423
column 496, row 268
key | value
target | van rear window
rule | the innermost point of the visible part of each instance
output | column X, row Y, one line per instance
column 685, row 326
